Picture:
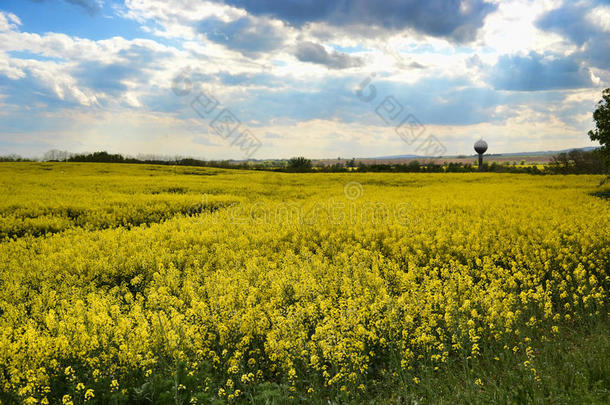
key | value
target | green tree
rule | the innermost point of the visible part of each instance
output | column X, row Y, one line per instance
column 601, row 115
column 577, row 162
column 299, row 164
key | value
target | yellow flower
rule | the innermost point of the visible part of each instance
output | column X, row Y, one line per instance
column 114, row 385
column 227, row 281
column 89, row 394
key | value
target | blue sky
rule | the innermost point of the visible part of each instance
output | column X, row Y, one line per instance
column 315, row 78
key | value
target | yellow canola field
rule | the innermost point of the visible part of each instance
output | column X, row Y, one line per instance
column 111, row 273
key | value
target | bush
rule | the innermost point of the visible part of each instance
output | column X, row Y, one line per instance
column 578, row 162
column 299, row 164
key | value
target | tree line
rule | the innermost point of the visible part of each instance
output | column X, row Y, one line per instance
column 573, row 162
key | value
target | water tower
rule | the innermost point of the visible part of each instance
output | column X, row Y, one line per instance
column 480, row 147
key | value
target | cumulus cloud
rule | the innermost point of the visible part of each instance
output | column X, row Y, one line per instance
column 45, row 82
column 131, row 64
column 264, row 61
column 585, row 24
column 316, row 53
column 539, row 72
column 248, row 35
column 63, row 72
column 8, row 21
column 569, row 21
column 457, row 20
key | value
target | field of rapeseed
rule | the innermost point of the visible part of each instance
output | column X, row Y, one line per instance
column 153, row 284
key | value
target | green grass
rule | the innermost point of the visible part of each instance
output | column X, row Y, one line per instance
column 573, row 369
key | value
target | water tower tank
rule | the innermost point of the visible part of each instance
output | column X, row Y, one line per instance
column 480, row 146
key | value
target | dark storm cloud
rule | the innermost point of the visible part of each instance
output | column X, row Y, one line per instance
column 538, row 72
column 455, row 19
column 246, row 34
column 316, row 53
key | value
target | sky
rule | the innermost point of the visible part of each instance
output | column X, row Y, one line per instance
column 261, row 79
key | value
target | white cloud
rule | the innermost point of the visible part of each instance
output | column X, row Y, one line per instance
column 512, row 28
column 176, row 18
column 8, row 21
column 600, row 17
column 120, row 86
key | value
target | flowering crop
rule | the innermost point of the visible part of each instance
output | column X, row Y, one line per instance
column 113, row 274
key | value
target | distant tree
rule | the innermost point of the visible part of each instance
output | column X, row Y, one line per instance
column 601, row 115
column 577, row 162
column 413, row 166
column 299, row 164
column 102, row 157
column 56, row 155
column 13, row 158
column 334, row 168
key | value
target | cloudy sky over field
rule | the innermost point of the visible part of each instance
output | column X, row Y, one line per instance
column 143, row 76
